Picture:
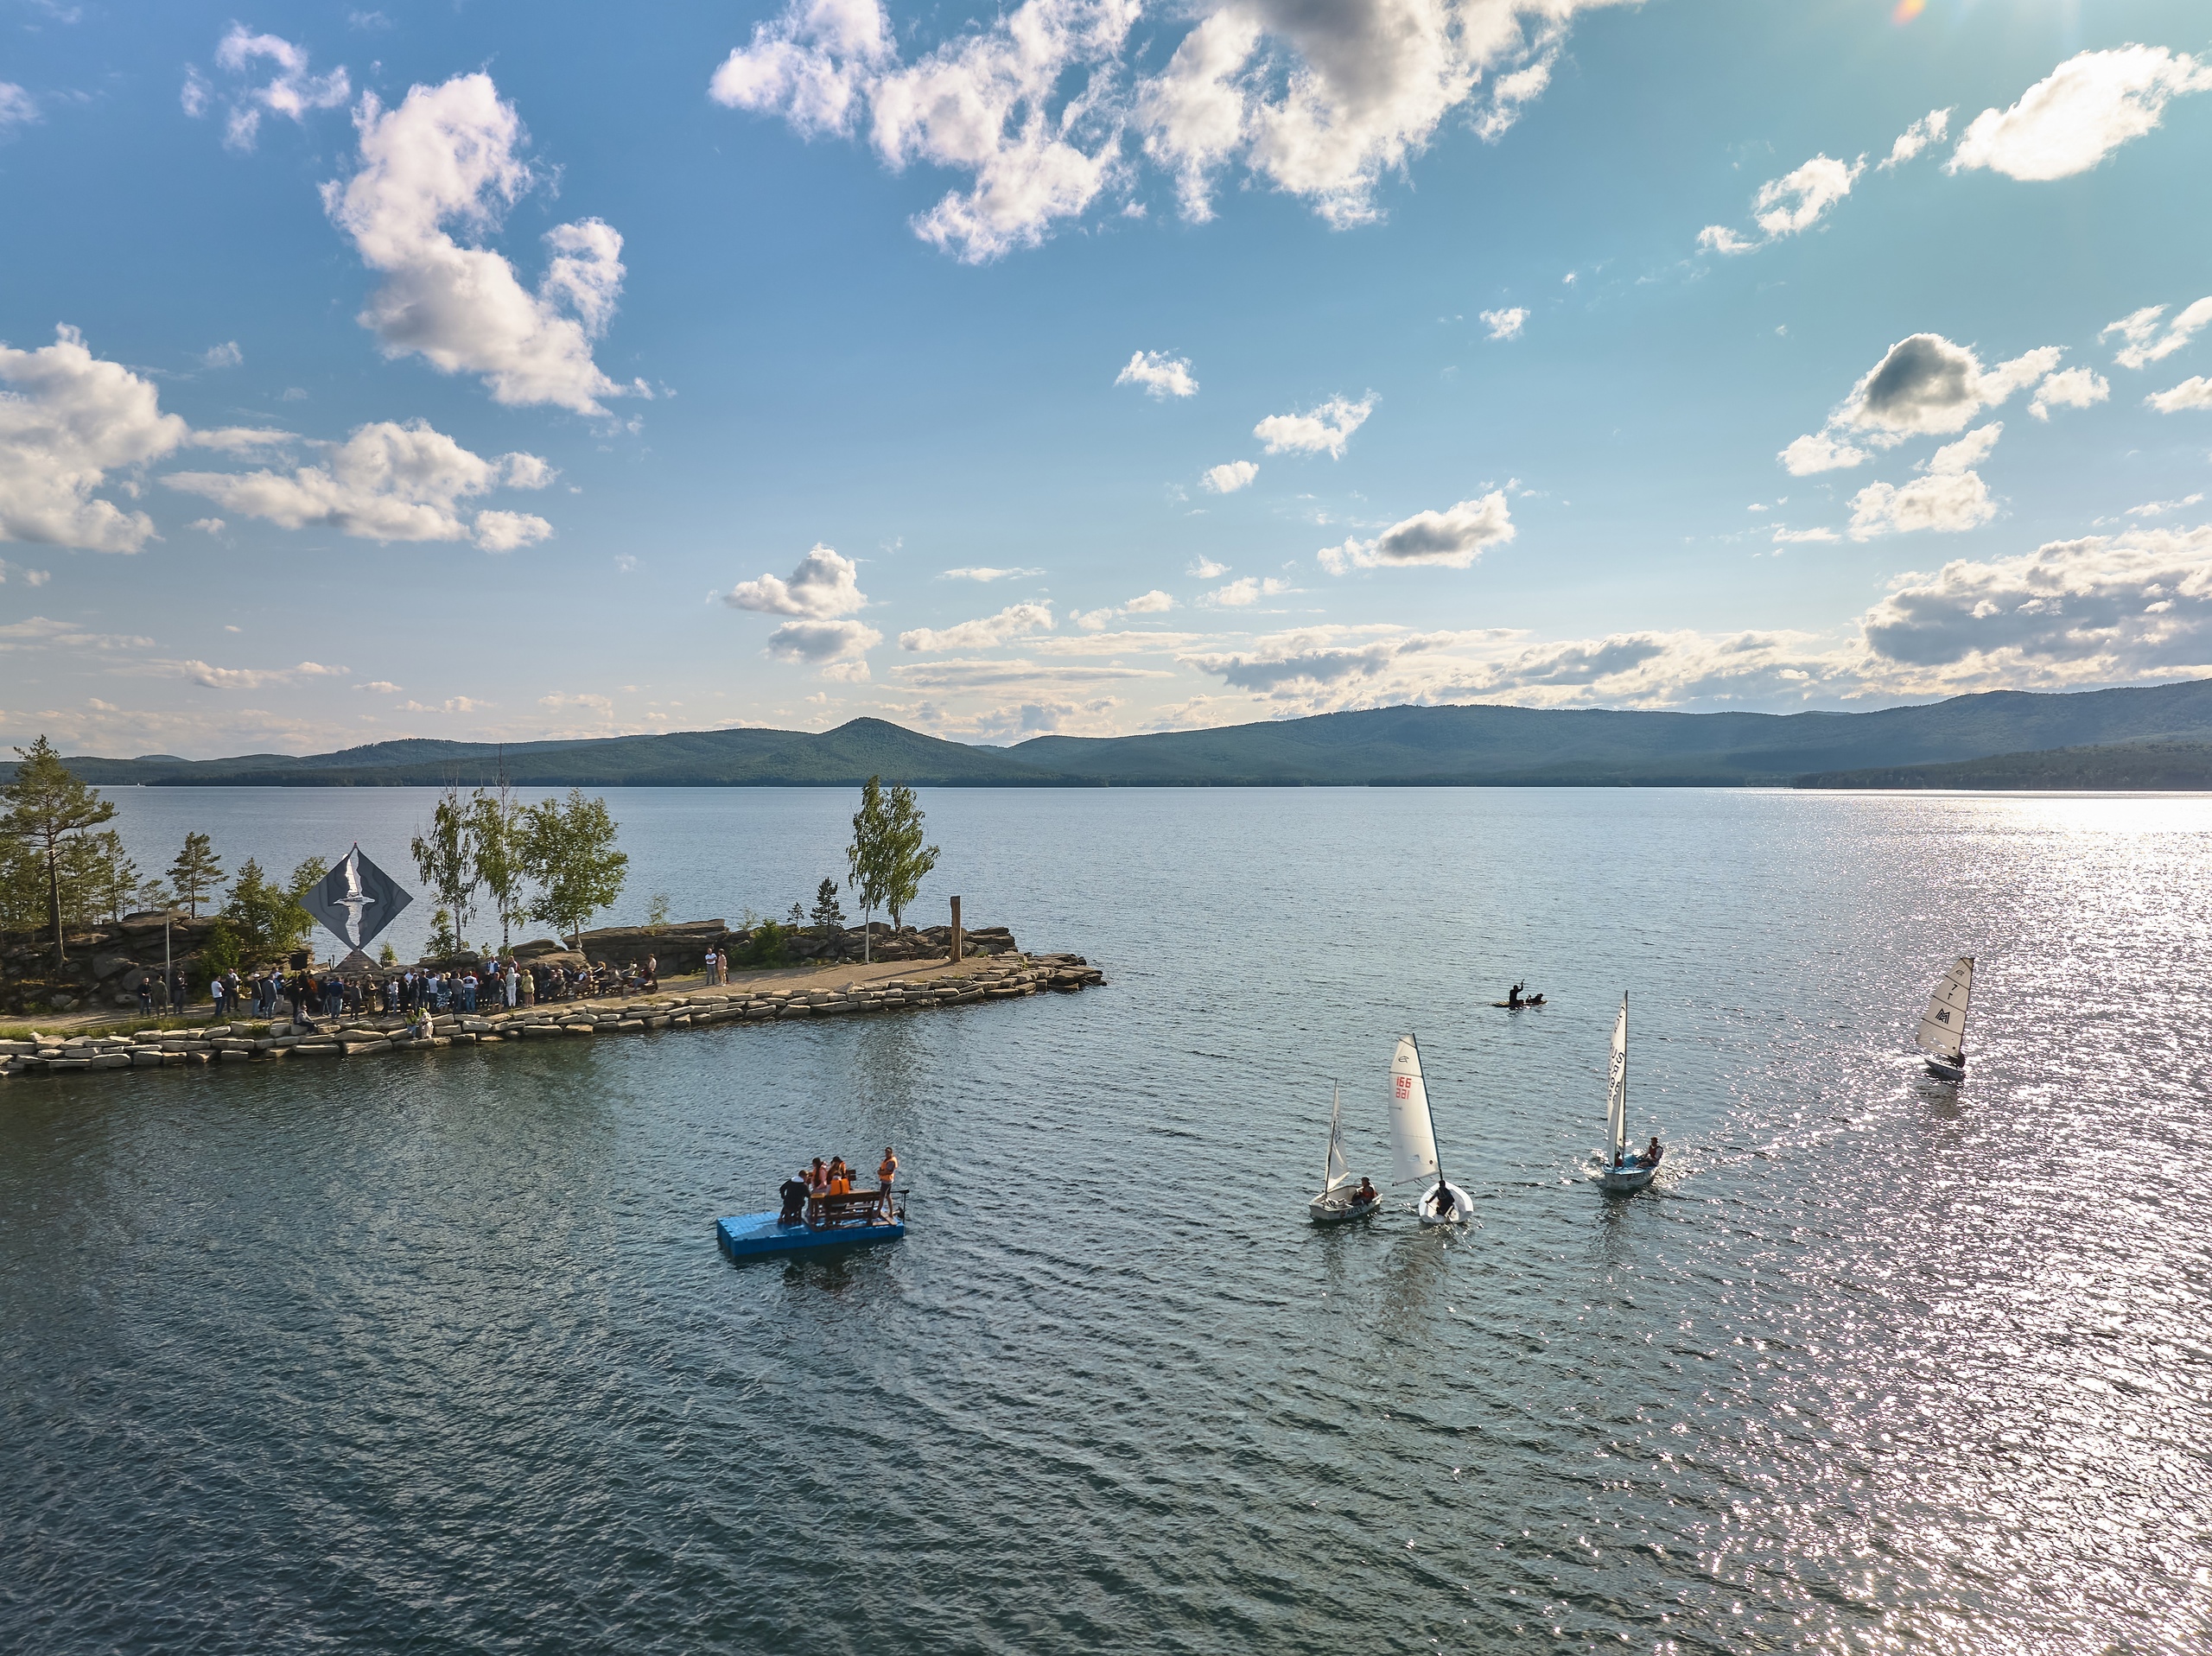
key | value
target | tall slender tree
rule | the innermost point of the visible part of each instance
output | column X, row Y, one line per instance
column 568, row 851
column 495, row 827
column 886, row 861
column 196, row 872
column 48, row 810
column 445, row 856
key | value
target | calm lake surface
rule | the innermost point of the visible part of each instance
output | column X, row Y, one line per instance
column 440, row 1355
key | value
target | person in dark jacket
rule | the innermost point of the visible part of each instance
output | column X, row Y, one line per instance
column 793, row 1192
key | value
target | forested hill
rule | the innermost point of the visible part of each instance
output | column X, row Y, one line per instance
column 1400, row 746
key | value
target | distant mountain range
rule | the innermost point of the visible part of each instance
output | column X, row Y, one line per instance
column 2005, row 734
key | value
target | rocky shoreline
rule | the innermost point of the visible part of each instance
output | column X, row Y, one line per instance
column 1001, row 978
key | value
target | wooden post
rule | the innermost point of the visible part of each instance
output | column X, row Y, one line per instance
column 957, row 952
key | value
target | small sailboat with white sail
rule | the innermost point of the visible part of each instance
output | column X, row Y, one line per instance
column 1624, row 1174
column 1943, row 1025
column 1341, row 1198
column 1413, row 1142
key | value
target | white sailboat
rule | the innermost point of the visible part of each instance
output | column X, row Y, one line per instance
column 1413, row 1142
column 1943, row 1025
column 1623, row 1173
column 1340, row 1198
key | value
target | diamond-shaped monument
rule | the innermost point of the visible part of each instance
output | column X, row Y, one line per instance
column 356, row 900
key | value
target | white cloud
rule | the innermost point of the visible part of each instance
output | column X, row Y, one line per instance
column 29, row 577
column 1159, row 374
column 2193, row 393
column 379, row 686
column 447, row 155
column 1249, row 590
column 1206, row 568
column 984, row 573
column 2098, row 610
column 1795, row 201
column 290, row 91
column 1722, row 239
column 40, row 632
column 207, row 525
column 1323, row 430
column 17, row 107
column 1015, row 674
column 1229, row 477
column 984, row 633
column 824, row 584
column 2079, row 113
column 1786, row 537
column 1928, row 129
column 835, row 646
column 1953, row 459
column 2142, row 343
column 387, row 482
column 2160, row 508
column 2071, row 388
column 67, row 420
column 1820, row 451
column 1505, row 324
column 1036, row 107
column 1154, row 602
column 1946, row 501
column 241, row 439
column 226, row 355
column 241, row 678
column 1451, row 539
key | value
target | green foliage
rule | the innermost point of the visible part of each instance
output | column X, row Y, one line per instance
column 827, row 915
column 48, row 811
column 445, row 856
column 656, row 912
column 795, row 921
column 220, row 954
column 495, row 833
column 196, row 872
column 266, row 919
column 764, row 946
column 386, row 957
column 442, row 940
column 567, row 850
column 886, row 861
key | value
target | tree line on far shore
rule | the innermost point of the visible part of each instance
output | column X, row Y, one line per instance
column 483, row 854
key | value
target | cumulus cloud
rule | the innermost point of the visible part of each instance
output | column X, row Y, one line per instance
column 1154, row 602
column 2193, row 393
column 67, row 420
column 1206, row 568
column 2143, row 342
column 1820, row 452
column 1228, row 478
column 1929, row 129
column 2159, row 508
column 1159, row 374
column 241, row 678
column 448, row 157
column 1784, row 535
column 824, row 584
column 836, row 647
column 1323, row 430
column 226, row 355
column 1451, row 539
column 2079, row 113
column 1794, row 202
column 1923, row 386
column 2071, row 388
column 387, row 482
column 983, row 633
column 1249, row 590
column 1505, row 324
column 984, row 573
column 290, row 90
column 1951, row 498
column 1037, row 109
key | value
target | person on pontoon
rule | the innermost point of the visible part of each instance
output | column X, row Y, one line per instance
column 886, row 1175
column 1651, row 1154
column 1513, row 996
column 793, row 1191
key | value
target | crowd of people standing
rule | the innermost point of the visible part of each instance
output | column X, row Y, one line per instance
column 306, row 994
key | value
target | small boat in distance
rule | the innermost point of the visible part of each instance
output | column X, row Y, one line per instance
column 1341, row 1199
column 1624, row 1174
column 1515, row 1000
column 1943, row 1025
column 1413, row 1142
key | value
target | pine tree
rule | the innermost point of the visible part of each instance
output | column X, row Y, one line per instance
column 827, row 915
column 196, row 872
column 48, row 810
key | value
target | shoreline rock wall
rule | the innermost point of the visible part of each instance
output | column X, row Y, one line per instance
column 355, row 1037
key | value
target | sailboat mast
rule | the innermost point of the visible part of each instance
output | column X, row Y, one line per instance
column 1622, row 1142
column 1427, row 1107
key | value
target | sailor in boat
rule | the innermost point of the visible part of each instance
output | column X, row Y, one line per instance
column 1652, row 1152
column 1366, row 1193
column 1445, row 1204
column 1513, row 996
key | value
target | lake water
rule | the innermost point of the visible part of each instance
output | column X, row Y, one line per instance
column 439, row 1353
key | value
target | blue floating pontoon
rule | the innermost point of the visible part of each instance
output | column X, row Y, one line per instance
column 849, row 1223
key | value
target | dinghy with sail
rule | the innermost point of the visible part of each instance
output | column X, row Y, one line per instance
column 1341, row 1198
column 1413, row 1142
column 1943, row 1025
column 1624, row 1173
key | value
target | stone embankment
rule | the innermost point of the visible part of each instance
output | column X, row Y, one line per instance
column 1002, row 979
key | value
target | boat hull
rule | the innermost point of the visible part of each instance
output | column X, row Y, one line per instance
column 1338, row 1210
column 1626, row 1181
column 757, row 1235
column 1943, row 1071
column 1462, row 1207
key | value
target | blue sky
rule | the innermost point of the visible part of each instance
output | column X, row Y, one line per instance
column 501, row 371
